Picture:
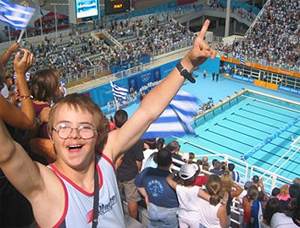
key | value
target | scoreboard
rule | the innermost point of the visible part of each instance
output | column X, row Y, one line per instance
column 116, row 6
column 86, row 8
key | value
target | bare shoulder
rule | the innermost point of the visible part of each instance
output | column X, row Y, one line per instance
column 48, row 204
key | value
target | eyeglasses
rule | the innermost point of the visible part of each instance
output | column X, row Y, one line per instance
column 85, row 131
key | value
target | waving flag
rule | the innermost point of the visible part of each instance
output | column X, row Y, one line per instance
column 16, row 15
column 119, row 93
column 176, row 119
column 242, row 60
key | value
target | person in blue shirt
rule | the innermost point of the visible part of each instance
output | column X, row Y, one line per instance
column 234, row 174
column 160, row 198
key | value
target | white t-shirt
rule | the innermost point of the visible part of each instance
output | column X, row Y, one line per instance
column 148, row 160
column 280, row 220
column 194, row 208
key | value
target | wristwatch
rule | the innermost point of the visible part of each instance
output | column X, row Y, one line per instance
column 184, row 73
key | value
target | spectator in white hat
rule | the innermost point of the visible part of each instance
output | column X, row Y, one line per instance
column 198, row 208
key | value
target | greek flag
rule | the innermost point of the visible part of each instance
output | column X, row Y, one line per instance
column 15, row 15
column 242, row 60
column 176, row 119
column 119, row 93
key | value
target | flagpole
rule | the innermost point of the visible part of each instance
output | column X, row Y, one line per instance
column 55, row 18
column 41, row 25
column 20, row 36
column 9, row 36
column 117, row 103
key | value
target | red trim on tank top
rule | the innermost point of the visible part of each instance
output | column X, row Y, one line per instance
column 77, row 186
column 108, row 160
column 63, row 217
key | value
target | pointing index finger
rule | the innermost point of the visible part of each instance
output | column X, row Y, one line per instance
column 204, row 29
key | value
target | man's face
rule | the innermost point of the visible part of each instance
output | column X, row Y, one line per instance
column 73, row 149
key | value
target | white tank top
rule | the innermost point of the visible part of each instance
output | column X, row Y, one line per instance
column 78, row 210
column 192, row 207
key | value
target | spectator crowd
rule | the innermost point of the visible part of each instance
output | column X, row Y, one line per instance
column 176, row 189
column 274, row 36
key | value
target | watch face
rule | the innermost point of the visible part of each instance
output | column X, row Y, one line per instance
column 185, row 73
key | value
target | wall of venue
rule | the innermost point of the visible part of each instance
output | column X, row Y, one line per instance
column 102, row 95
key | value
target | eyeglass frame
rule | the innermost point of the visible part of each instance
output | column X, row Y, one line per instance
column 73, row 128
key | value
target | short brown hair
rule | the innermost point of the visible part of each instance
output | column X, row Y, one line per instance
column 83, row 102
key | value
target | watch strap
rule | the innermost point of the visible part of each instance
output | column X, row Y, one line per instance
column 184, row 73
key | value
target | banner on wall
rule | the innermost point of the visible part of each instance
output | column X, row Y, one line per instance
column 133, row 85
column 156, row 74
column 167, row 68
column 183, row 2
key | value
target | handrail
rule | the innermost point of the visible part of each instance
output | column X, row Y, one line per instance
column 297, row 149
column 273, row 97
column 246, row 170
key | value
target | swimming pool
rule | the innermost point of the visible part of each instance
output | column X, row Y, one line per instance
column 235, row 139
column 254, row 126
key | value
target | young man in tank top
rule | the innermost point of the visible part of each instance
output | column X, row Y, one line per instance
column 62, row 195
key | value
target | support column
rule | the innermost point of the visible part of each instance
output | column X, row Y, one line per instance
column 234, row 26
column 227, row 21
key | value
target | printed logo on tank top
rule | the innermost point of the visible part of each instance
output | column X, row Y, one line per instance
column 103, row 209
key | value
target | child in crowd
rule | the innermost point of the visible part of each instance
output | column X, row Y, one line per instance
column 252, row 208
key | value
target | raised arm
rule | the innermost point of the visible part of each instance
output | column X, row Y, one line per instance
column 21, row 65
column 157, row 100
column 16, row 164
column 20, row 118
column 171, row 182
column 203, row 194
column 4, row 58
column 35, row 181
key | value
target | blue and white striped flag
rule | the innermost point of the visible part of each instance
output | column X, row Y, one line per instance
column 242, row 59
column 119, row 93
column 176, row 119
column 16, row 15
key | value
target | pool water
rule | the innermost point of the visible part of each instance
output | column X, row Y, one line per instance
column 251, row 126
column 250, row 121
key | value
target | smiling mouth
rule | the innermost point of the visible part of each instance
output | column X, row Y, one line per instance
column 74, row 148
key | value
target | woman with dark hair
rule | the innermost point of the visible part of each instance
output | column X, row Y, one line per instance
column 198, row 208
column 272, row 206
column 45, row 91
column 150, row 155
column 289, row 218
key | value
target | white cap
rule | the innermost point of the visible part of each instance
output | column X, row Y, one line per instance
column 187, row 171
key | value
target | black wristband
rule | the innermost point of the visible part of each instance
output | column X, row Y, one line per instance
column 184, row 73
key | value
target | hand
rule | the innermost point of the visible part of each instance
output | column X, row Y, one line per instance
column 12, row 48
column 23, row 63
column 225, row 198
column 44, row 114
column 201, row 50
